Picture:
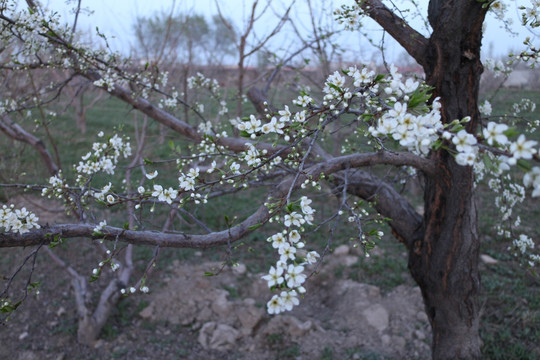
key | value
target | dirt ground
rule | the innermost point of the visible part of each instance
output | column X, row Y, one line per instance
column 188, row 315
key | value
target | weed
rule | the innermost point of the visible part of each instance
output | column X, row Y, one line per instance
column 327, row 353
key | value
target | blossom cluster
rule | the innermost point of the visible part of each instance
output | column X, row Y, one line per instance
column 30, row 25
column 531, row 15
column 524, row 105
column 416, row 133
column 485, row 108
column 254, row 127
column 166, row 195
column 107, row 80
column 131, row 290
column 288, row 273
column 532, row 179
column 497, row 67
column 57, row 186
column 523, row 245
column 105, row 156
column 169, row 102
column 495, row 135
column 202, row 81
column 17, row 220
column 349, row 16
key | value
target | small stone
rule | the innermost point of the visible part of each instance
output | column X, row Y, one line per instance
column 385, row 340
column 399, row 343
column 286, row 324
column 419, row 334
column 239, row 269
column 300, row 328
column 377, row 316
column 204, row 315
column 422, row 316
column 224, row 338
column 349, row 260
column 28, row 355
column 341, row 250
column 61, row 311
column 486, row 259
column 249, row 316
column 218, row 336
column 52, row 324
column 221, row 306
column 23, row 336
column 198, row 253
column 147, row 312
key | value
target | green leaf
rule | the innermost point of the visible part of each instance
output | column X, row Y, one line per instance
column 524, row 165
column 244, row 133
column 254, row 227
column 33, row 285
column 126, row 226
column 378, row 78
column 57, row 240
column 10, row 307
column 511, row 132
column 208, row 273
column 457, row 128
column 417, row 98
column 148, row 161
column 335, row 87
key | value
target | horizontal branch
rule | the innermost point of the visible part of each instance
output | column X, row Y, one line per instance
column 261, row 216
column 172, row 122
column 333, row 165
column 412, row 41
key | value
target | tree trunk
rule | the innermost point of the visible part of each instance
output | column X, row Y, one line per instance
column 445, row 262
column 90, row 324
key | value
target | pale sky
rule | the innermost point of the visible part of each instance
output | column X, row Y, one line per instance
column 116, row 17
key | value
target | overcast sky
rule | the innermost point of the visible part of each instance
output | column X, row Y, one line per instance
column 116, row 18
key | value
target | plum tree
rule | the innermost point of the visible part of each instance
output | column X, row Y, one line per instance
column 433, row 128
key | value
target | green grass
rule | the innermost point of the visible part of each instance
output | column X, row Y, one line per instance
column 510, row 326
column 282, row 348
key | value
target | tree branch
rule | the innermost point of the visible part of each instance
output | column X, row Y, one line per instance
column 261, row 216
column 16, row 132
column 163, row 117
column 405, row 222
column 411, row 40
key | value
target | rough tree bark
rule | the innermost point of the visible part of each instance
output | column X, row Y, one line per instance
column 446, row 265
column 444, row 262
